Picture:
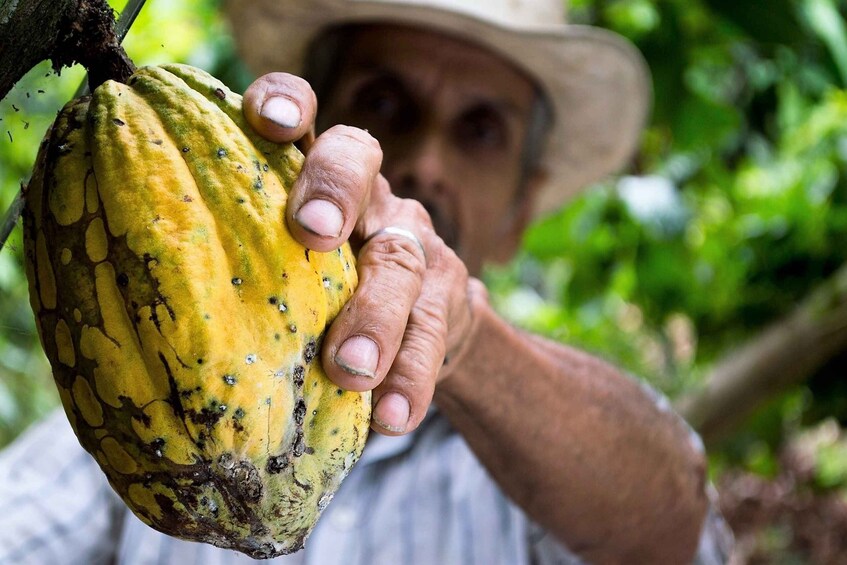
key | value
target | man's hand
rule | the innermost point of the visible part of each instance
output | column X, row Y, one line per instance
column 412, row 307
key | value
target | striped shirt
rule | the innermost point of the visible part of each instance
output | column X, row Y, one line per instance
column 418, row 499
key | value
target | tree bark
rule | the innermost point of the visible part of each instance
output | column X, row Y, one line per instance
column 785, row 354
column 64, row 31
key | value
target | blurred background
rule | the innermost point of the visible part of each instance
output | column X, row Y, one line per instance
column 715, row 268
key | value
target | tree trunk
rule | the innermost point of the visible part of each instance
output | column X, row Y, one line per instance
column 783, row 355
column 64, row 31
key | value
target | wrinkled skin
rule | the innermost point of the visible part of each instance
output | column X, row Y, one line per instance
column 580, row 447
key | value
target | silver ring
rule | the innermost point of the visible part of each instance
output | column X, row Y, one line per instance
column 402, row 232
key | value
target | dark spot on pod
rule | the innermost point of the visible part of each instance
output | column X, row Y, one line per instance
column 236, row 281
column 186, row 149
column 273, row 300
column 300, row 411
column 132, row 81
column 277, row 337
column 310, row 351
column 157, row 445
column 122, row 279
column 265, row 167
column 238, row 414
column 187, row 198
column 285, row 275
column 299, row 375
column 188, row 392
column 292, row 328
column 240, row 200
column 314, row 412
column 199, row 360
column 307, row 254
column 299, row 445
column 309, row 451
column 140, row 416
column 265, row 551
column 221, row 152
column 220, row 94
column 339, row 392
column 210, row 504
column 230, row 380
column 208, row 416
column 243, row 477
column 276, row 463
column 157, row 142
column 207, row 317
column 334, row 432
column 339, row 286
column 258, row 185
column 118, row 122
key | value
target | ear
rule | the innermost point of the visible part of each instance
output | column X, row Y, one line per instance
column 515, row 224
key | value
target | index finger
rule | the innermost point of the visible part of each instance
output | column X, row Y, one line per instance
column 339, row 176
column 280, row 107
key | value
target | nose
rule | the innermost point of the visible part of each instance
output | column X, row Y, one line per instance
column 417, row 168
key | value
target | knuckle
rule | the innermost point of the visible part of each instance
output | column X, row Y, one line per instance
column 422, row 353
column 396, row 254
column 383, row 305
column 416, row 211
column 356, row 135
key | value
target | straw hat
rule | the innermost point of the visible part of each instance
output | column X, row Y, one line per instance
column 597, row 82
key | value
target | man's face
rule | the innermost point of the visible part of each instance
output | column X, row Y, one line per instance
column 452, row 121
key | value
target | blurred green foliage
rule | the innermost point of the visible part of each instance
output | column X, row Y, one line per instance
column 735, row 208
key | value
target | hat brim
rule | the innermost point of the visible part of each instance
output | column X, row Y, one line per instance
column 597, row 82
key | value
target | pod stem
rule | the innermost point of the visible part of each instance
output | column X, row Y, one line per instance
column 90, row 40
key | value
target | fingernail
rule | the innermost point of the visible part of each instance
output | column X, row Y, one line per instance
column 359, row 356
column 321, row 217
column 281, row 111
column 392, row 412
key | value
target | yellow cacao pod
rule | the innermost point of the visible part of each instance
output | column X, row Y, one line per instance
column 182, row 320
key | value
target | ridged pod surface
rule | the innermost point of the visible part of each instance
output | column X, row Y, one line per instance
column 182, row 320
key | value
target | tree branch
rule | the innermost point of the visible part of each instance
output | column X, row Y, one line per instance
column 64, row 31
column 786, row 354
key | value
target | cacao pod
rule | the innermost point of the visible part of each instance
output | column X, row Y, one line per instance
column 182, row 320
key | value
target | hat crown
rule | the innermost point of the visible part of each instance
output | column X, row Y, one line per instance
column 511, row 13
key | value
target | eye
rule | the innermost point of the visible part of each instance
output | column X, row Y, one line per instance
column 482, row 128
column 382, row 103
